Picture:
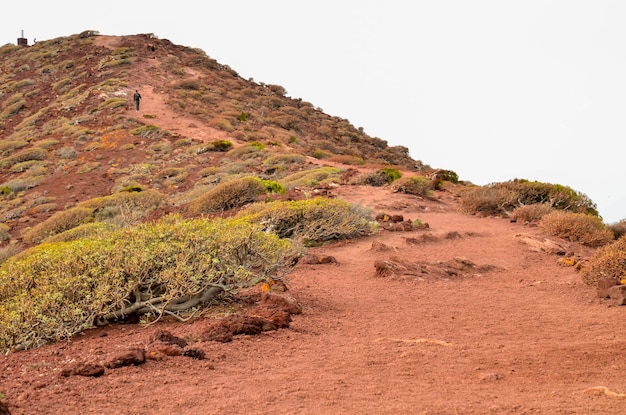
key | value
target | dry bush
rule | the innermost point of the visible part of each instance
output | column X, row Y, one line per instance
column 486, row 200
column 8, row 146
column 228, row 195
column 84, row 231
column 286, row 158
column 312, row 220
column 343, row 159
column 414, row 185
column 608, row 261
column 57, row 223
column 618, row 229
column 577, row 227
column 34, row 153
column 56, row 290
column 4, row 232
column 9, row 250
column 531, row 213
column 311, row 178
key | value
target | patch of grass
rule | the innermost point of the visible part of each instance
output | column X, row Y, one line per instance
column 312, row 177
column 33, row 153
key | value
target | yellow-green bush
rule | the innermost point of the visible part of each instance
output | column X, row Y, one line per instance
column 310, row 178
column 414, row 185
column 608, row 261
column 55, row 290
column 577, row 227
column 57, row 223
column 85, row 231
column 286, row 158
column 312, row 220
column 228, row 195
column 33, row 153
column 7, row 146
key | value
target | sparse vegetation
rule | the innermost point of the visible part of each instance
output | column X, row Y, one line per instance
column 413, row 185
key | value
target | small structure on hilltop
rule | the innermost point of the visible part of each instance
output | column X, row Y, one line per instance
column 22, row 41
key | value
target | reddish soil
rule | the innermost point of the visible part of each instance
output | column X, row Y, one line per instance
column 478, row 316
column 469, row 315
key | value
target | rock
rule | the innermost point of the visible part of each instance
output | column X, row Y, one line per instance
column 166, row 337
column 617, row 293
column 4, row 409
column 604, row 285
column 131, row 357
column 83, row 369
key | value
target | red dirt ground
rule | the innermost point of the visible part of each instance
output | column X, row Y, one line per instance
column 468, row 316
column 510, row 332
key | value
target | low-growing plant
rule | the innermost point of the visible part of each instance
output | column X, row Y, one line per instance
column 57, row 223
column 531, row 213
column 228, row 195
column 33, row 153
column 286, row 158
column 113, row 102
column 56, row 290
column 273, row 187
column 151, row 131
column 577, row 227
column 312, row 177
column 608, row 261
column 312, row 220
column 618, row 229
column 413, row 185
column 7, row 146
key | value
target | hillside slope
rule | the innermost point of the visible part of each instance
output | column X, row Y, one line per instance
column 465, row 315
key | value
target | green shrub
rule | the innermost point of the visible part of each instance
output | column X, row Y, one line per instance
column 56, row 290
column 414, row 185
column 577, row 227
column 391, row 174
column 273, row 187
column 114, row 102
column 228, row 195
column 90, row 230
column 7, row 146
column 608, row 261
column 312, row 220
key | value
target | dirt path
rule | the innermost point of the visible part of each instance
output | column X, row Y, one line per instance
column 514, row 333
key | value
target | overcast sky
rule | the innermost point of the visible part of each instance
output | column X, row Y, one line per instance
column 494, row 90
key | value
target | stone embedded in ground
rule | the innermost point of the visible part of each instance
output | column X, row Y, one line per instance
column 4, row 409
column 159, row 350
column 604, row 285
column 166, row 337
column 617, row 293
column 128, row 358
column 83, row 369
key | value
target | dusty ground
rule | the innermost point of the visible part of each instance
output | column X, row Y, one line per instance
column 468, row 316
column 510, row 332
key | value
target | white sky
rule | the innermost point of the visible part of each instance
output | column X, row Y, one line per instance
column 492, row 89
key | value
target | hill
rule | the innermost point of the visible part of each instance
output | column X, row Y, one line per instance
column 438, row 311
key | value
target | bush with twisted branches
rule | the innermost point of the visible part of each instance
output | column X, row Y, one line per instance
column 174, row 266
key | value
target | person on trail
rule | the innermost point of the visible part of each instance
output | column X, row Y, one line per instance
column 137, row 99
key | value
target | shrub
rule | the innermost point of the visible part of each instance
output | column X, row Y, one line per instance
column 312, row 220
column 56, row 290
column 151, row 131
column 391, row 174
column 414, row 185
column 608, row 261
column 57, row 223
column 531, row 213
column 287, row 158
column 618, row 229
column 558, row 196
column 577, row 227
column 228, row 195
column 34, row 153
column 7, row 146
column 85, row 231
column 487, row 200
column 310, row 178
column 114, row 102
column 273, row 187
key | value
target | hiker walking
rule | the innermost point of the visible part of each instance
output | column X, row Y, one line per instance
column 137, row 99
